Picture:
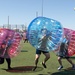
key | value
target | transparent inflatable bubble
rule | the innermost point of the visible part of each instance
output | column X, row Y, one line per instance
column 71, row 37
column 45, row 34
column 9, row 43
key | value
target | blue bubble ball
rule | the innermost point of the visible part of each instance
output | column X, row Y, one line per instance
column 45, row 34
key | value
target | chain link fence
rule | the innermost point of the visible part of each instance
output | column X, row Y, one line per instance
column 21, row 27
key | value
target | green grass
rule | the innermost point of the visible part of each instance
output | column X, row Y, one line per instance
column 26, row 58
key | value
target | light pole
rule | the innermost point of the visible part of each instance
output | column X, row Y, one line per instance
column 22, row 27
column 16, row 26
column 36, row 13
column 8, row 21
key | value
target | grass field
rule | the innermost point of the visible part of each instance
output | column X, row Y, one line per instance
column 24, row 62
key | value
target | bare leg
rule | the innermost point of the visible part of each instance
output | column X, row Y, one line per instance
column 36, row 61
column 70, row 62
column 59, row 60
column 47, row 56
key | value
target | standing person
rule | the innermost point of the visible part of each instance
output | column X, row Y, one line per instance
column 25, row 37
column 40, row 50
column 63, row 53
column 5, row 45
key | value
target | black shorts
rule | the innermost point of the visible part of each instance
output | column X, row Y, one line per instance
column 39, row 51
column 67, row 57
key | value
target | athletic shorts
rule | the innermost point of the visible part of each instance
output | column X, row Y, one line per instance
column 39, row 51
column 64, row 57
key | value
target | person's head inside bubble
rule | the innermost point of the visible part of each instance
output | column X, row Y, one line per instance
column 45, row 32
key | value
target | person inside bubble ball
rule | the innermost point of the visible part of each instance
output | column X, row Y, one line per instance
column 5, row 45
column 63, row 53
column 42, row 49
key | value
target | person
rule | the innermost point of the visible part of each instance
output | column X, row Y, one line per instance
column 25, row 37
column 63, row 53
column 5, row 45
column 42, row 49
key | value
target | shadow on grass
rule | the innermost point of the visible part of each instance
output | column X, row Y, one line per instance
column 73, row 57
column 22, row 69
column 48, row 73
column 68, row 71
column 24, row 50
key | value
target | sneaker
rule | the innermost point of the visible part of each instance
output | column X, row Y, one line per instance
column 44, row 65
column 73, row 67
column 59, row 68
column 34, row 68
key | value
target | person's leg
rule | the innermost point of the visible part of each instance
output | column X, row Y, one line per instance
column 47, row 56
column 27, row 40
column 1, row 60
column 70, row 61
column 24, row 40
column 36, row 61
column 37, row 56
column 8, row 62
column 60, row 62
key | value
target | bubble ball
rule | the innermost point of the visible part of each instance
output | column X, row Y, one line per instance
column 71, row 37
column 68, row 33
column 45, row 34
column 9, row 43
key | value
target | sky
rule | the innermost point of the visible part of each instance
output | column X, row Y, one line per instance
column 24, row 11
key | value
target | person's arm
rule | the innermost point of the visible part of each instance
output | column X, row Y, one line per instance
column 4, row 50
column 56, row 51
column 42, row 38
column 66, row 45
